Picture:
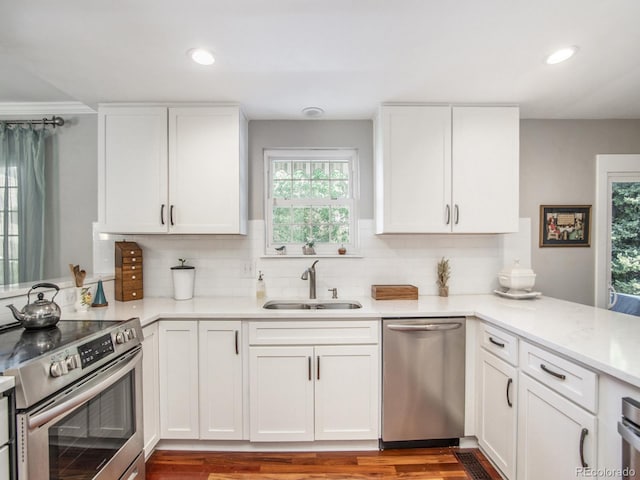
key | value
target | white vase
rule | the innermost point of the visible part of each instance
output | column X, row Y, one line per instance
column 183, row 282
column 83, row 299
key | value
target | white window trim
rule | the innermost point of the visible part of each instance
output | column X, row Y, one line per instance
column 311, row 154
column 606, row 167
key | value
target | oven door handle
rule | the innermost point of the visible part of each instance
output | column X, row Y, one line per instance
column 629, row 434
column 86, row 392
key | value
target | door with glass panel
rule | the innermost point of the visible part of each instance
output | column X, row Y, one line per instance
column 623, row 241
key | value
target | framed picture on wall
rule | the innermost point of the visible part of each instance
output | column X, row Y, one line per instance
column 565, row 225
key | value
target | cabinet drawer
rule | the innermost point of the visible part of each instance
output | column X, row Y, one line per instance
column 565, row 377
column 131, row 253
column 131, row 267
column 132, row 276
column 314, row 332
column 500, row 343
column 131, row 285
column 4, row 421
column 132, row 295
column 131, row 260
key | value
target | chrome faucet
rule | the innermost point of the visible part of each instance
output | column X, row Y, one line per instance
column 310, row 273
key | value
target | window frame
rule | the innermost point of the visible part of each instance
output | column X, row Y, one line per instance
column 311, row 155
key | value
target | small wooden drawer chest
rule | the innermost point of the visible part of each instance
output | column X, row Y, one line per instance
column 128, row 263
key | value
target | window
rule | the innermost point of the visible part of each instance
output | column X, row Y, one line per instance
column 311, row 197
column 9, row 225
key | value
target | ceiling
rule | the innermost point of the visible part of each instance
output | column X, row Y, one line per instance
column 276, row 57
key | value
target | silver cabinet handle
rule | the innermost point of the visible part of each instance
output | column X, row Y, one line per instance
column 457, row 214
column 236, row 342
column 309, row 368
column 583, row 435
column 447, row 214
column 509, row 382
column 425, row 327
column 318, row 358
column 551, row 372
column 162, row 214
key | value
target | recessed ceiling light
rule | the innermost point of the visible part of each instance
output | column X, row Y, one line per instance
column 201, row 56
column 312, row 112
column 561, row 55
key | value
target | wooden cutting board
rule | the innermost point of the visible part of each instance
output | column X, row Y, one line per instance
column 394, row 292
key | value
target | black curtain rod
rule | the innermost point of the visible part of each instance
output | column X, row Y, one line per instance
column 55, row 121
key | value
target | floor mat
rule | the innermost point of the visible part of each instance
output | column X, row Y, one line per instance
column 473, row 467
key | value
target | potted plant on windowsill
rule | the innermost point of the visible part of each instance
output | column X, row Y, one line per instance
column 307, row 248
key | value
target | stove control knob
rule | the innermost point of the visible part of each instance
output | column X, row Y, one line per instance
column 56, row 369
column 120, row 338
column 129, row 334
column 72, row 362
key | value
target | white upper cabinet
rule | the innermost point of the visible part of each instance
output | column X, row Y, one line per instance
column 485, row 160
column 413, row 169
column 172, row 170
column 443, row 169
column 132, row 169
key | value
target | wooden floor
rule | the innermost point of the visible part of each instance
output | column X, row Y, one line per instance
column 427, row 464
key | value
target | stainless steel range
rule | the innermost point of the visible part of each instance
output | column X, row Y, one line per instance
column 78, row 399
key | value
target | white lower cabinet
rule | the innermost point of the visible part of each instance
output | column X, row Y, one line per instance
column 281, row 393
column 305, row 393
column 346, row 392
column 313, row 392
column 497, row 414
column 220, row 379
column 556, row 438
column 201, row 381
column 179, row 379
column 150, row 388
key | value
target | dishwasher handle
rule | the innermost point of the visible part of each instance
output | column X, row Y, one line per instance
column 424, row 327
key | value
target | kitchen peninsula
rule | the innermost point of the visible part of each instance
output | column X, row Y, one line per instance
column 595, row 350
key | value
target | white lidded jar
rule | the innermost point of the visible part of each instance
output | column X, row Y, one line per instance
column 517, row 279
column 183, row 280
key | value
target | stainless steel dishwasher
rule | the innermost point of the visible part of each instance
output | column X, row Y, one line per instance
column 423, row 362
column 629, row 430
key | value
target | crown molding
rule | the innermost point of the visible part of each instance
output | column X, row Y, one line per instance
column 44, row 108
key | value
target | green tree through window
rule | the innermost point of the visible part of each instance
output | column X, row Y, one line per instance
column 625, row 237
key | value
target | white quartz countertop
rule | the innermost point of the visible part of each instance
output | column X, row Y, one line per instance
column 6, row 383
column 603, row 340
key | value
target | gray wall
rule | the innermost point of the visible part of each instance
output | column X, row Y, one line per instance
column 557, row 167
column 72, row 195
column 71, row 172
column 265, row 134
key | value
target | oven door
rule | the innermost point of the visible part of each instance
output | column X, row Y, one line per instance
column 93, row 430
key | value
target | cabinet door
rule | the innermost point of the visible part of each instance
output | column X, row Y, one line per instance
column 150, row 388
column 550, row 429
column 485, row 158
column 281, row 393
column 220, row 375
column 413, row 169
column 207, row 180
column 178, row 379
column 132, row 169
column 497, row 414
column 346, row 392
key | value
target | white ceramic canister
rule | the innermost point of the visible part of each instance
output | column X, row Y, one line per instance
column 183, row 282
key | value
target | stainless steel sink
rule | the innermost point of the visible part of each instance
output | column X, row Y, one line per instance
column 287, row 305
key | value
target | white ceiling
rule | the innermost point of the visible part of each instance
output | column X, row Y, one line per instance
column 347, row 56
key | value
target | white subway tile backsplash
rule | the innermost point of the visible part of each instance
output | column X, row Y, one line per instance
column 228, row 265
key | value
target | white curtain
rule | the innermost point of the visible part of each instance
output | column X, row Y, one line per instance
column 22, row 197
